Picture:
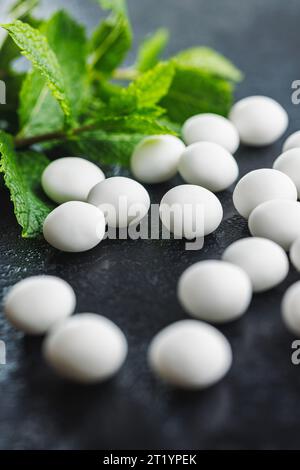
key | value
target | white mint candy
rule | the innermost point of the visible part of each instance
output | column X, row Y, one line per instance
column 289, row 163
column 278, row 220
column 35, row 304
column 260, row 120
column 190, row 211
column 209, row 165
column 295, row 254
column 211, row 128
column 290, row 308
column 70, row 179
column 265, row 262
column 259, row 186
column 74, row 226
column 123, row 200
column 215, row 291
column 155, row 159
column 86, row 348
column 190, row 354
column 292, row 141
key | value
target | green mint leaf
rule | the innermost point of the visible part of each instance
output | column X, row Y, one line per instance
column 68, row 40
column 193, row 92
column 150, row 87
column 134, row 109
column 134, row 123
column 22, row 175
column 209, row 61
column 112, row 40
column 105, row 148
column 39, row 111
column 151, row 49
column 144, row 92
column 35, row 47
column 130, row 115
column 123, row 102
column 9, row 51
column 105, row 91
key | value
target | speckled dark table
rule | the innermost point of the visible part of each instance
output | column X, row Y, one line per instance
column 134, row 283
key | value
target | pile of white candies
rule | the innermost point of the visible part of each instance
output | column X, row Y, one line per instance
column 188, row 353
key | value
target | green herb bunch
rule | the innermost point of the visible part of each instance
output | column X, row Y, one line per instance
column 73, row 97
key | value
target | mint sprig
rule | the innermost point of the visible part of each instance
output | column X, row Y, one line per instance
column 74, row 96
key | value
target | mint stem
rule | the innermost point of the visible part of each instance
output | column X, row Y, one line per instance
column 22, row 142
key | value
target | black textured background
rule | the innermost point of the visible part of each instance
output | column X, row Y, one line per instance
column 134, row 283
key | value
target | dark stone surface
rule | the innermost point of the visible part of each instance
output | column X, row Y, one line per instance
column 134, row 284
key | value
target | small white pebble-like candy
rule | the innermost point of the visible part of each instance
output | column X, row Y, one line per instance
column 209, row 165
column 265, row 262
column 259, row 186
column 215, row 291
column 211, row 128
column 295, row 254
column 123, row 200
column 278, row 220
column 289, row 163
column 292, row 141
column 190, row 211
column 74, row 226
column 260, row 120
column 86, row 348
column 35, row 304
column 290, row 308
column 155, row 159
column 190, row 354
column 70, row 179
